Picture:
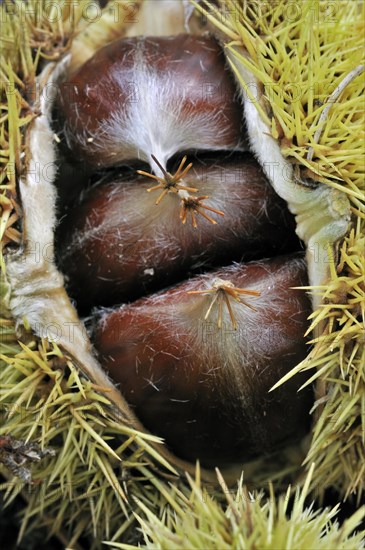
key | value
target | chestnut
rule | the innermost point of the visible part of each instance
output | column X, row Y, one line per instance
column 122, row 241
column 144, row 96
column 197, row 361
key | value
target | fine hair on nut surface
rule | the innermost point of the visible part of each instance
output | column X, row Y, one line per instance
column 136, row 221
column 179, row 128
column 153, row 95
column 233, row 355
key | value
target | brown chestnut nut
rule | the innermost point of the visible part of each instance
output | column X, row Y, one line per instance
column 197, row 361
column 122, row 241
column 151, row 95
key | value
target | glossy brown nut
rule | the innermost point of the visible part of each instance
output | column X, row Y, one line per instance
column 151, row 95
column 206, row 389
column 118, row 244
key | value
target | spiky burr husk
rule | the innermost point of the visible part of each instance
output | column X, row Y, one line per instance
column 312, row 108
column 81, row 486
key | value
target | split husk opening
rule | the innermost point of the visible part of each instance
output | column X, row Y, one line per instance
column 103, row 471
